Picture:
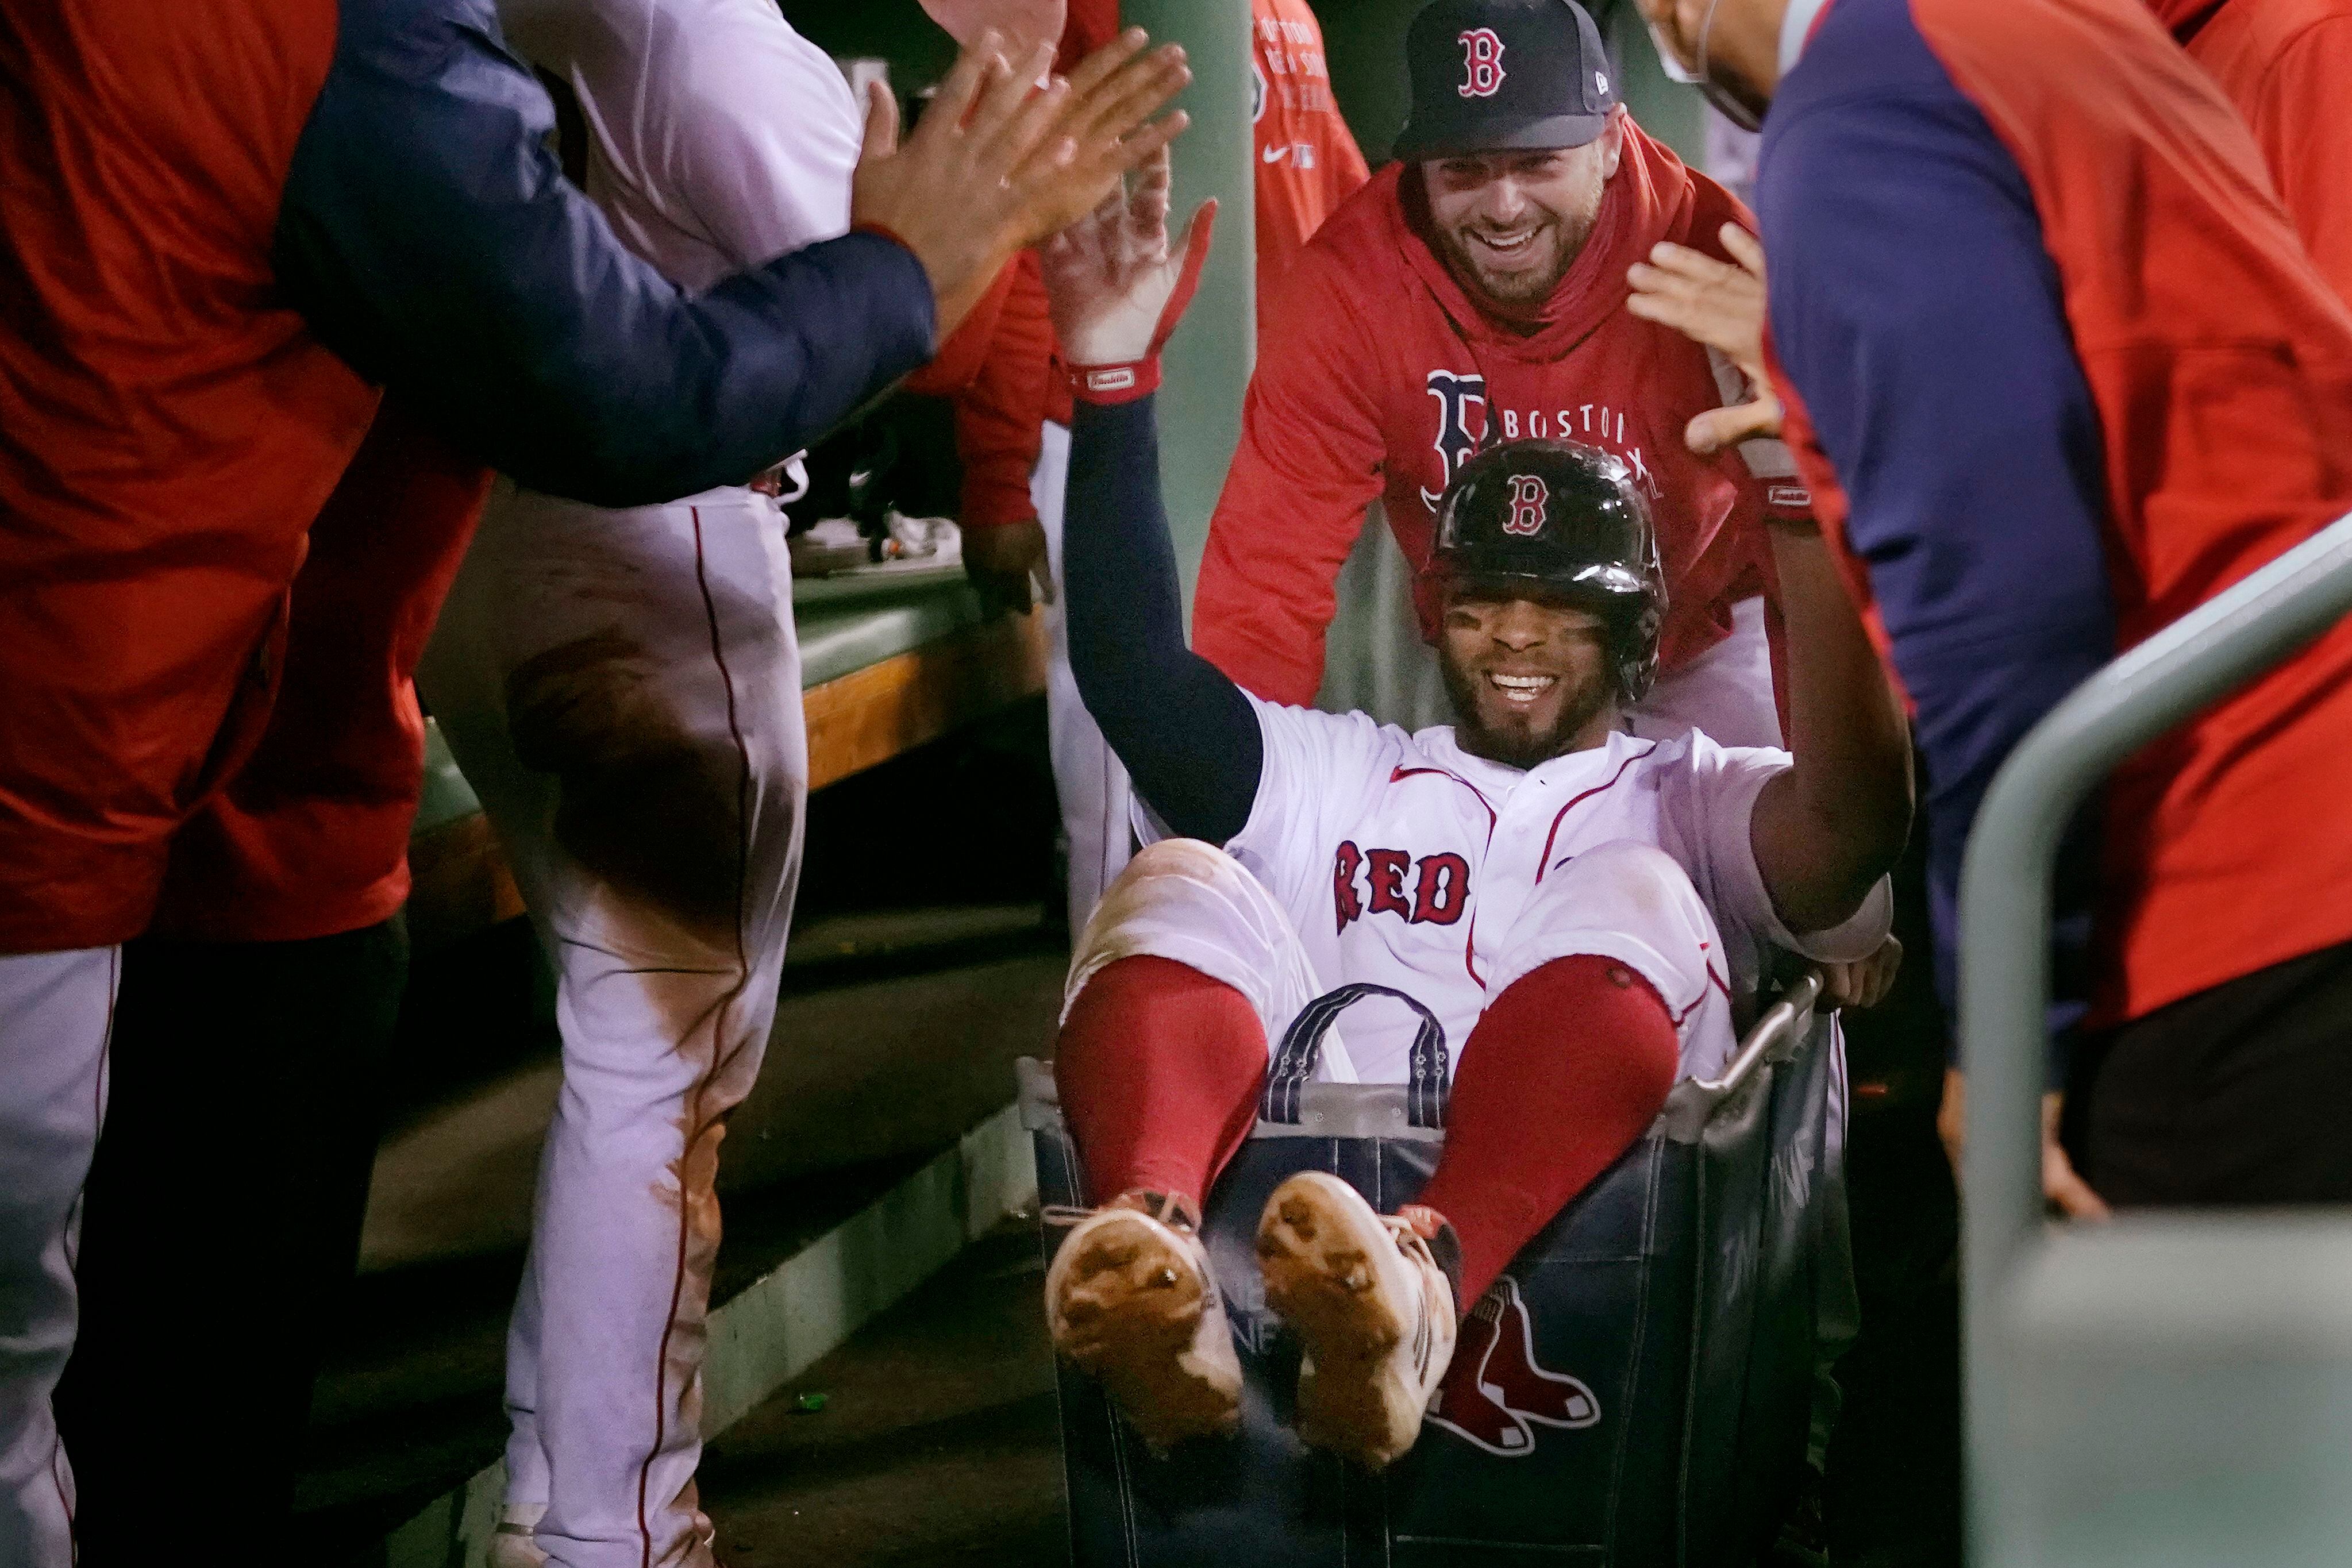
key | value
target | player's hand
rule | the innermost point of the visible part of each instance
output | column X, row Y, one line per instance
column 1865, row 983
column 999, row 162
column 1006, row 564
column 2062, row 1188
column 1117, row 284
column 1722, row 306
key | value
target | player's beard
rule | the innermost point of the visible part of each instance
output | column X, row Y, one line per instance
column 1557, row 241
column 1516, row 292
column 1516, row 740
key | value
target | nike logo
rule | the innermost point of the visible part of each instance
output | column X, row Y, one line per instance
column 1276, row 154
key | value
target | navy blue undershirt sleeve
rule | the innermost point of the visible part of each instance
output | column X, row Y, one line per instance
column 1187, row 734
column 428, row 236
column 1916, row 307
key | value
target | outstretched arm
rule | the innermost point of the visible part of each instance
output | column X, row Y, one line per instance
column 429, row 238
column 1187, row 734
column 1826, row 829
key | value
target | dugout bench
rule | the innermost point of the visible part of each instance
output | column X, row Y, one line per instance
column 889, row 662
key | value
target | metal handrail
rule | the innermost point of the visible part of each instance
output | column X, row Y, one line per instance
column 2004, row 979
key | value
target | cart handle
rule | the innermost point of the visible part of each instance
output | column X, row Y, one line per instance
column 1794, row 1011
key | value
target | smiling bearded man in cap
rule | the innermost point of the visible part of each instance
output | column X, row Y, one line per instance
column 1473, row 293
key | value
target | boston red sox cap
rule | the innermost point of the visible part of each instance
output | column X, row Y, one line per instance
column 1495, row 75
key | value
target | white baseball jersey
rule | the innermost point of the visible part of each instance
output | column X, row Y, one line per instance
column 1405, row 861
column 719, row 138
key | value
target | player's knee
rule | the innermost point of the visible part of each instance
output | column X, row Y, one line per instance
column 1634, row 880
column 1182, row 881
column 1184, row 860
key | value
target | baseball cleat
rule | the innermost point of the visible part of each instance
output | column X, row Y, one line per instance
column 1371, row 1307
column 1131, row 1301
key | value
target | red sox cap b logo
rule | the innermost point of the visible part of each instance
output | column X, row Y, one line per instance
column 1482, row 60
column 1528, row 494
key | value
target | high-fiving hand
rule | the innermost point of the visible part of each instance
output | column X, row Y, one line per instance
column 1722, row 306
column 1117, row 284
column 999, row 162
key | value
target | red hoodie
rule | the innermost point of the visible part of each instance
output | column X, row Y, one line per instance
column 1377, row 374
column 2285, row 64
column 310, row 837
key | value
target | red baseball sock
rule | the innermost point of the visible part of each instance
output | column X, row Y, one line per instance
column 1158, row 1068
column 1565, row 1070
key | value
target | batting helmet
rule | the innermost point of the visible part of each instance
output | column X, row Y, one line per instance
column 1567, row 518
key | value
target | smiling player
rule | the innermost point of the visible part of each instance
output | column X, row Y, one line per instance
column 1473, row 293
column 1573, row 907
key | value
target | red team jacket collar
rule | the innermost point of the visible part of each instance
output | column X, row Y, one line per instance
column 1651, row 198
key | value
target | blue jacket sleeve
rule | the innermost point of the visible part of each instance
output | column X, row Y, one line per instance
column 428, row 236
column 1188, row 735
column 1920, row 316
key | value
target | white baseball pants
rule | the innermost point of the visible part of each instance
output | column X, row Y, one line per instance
column 1190, row 902
column 622, row 689
column 57, row 1012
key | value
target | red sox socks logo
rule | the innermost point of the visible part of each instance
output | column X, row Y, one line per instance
column 1494, row 1387
column 1528, row 494
column 1482, row 59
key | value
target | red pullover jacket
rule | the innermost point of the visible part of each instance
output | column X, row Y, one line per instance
column 2287, row 64
column 310, row 837
column 1308, row 162
column 1376, row 375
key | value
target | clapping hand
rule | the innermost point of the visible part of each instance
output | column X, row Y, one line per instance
column 1000, row 162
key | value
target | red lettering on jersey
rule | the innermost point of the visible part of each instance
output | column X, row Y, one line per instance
column 1387, row 877
column 1528, row 494
column 1482, row 60
column 1442, row 891
column 1344, row 902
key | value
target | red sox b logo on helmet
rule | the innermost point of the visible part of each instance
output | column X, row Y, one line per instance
column 1482, row 60
column 1528, row 494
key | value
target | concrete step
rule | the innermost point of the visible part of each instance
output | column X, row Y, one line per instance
column 869, row 1155
column 937, row 1443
